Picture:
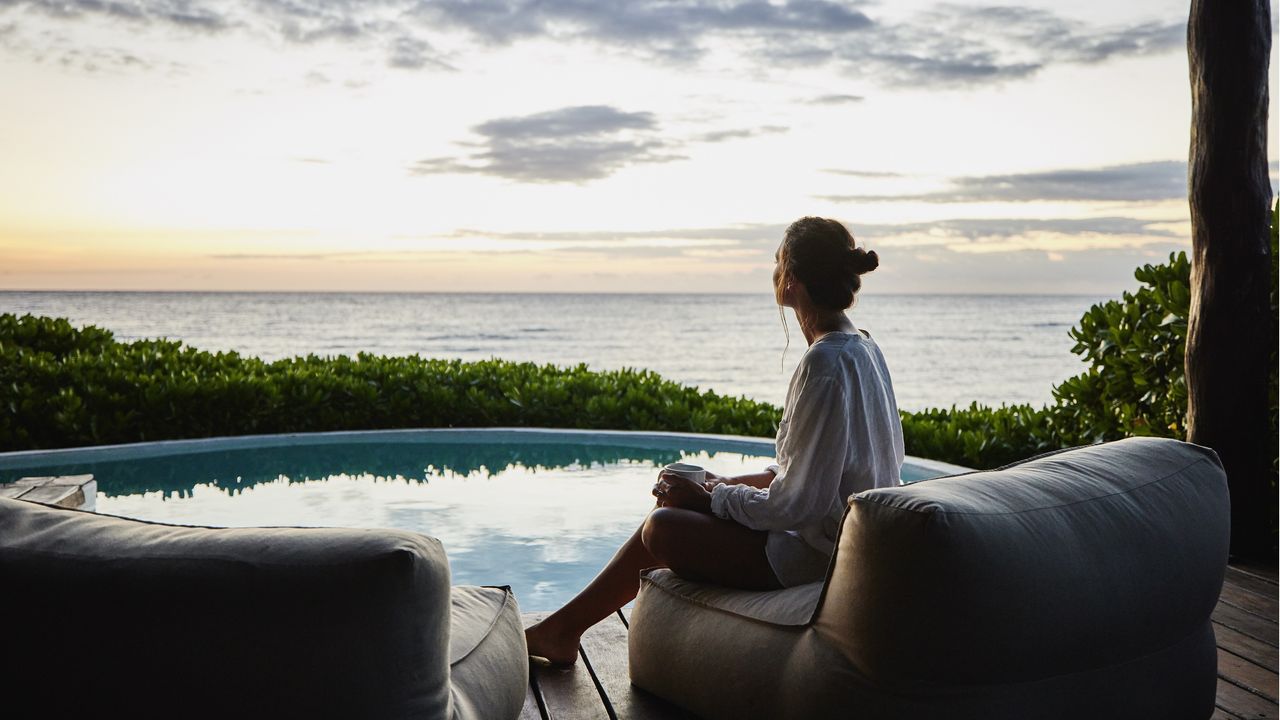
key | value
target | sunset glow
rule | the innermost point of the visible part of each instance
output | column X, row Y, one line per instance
column 397, row 146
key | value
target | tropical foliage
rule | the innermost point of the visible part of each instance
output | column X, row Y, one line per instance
column 63, row 386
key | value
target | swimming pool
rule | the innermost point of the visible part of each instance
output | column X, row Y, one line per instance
column 540, row 510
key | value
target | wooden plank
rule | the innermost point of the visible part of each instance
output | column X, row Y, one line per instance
column 1242, row 703
column 605, row 645
column 69, row 496
column 1246, row 647
column 70, row 479
column 571, row 694
column 1220, row 714
column 1248, row 675
column 1246, row 622
column 1267, row 571
column 1261, row 605
column 13, row 490
column 1252, row 583
column 532, row 709
column 568, row 694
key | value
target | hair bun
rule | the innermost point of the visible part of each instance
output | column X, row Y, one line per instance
column 863, row 261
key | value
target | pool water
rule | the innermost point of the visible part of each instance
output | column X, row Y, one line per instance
column 542, row 514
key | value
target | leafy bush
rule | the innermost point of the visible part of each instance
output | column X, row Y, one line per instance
column 61, row 387
column 1135, row 384
column 981, row 436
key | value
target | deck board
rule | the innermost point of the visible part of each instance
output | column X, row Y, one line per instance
column 532, row 710
column 1255, row 568
column 567, row 694
column 1250, row 601
column 1255, row 626
column 1246, row 647
column 1242, row 703
column 1245, row 624
column 1250, row 581
column 1250, row 675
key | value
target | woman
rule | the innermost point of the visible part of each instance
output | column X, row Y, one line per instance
column 840, row 434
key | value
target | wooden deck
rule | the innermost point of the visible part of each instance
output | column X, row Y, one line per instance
column 598, row 686
column 70, row 491
column 1245, row 623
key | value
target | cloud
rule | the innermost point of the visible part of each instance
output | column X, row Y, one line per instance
column 573, row 144
column 672, row 29
column 862, row 173
column 716, row 136
column 410, row 53
column 947, row 45
column 750, row 247
column 1009, row 235
column 958, row 234
column 181, row 14
column 973, row 228
column 968, row 45
column 734, row 234
column 1134, row 182
column 292, row 21
column 56, row 48
column 959, row 45
column 835, row 99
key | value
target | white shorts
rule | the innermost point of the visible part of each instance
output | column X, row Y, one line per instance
column 794, row 561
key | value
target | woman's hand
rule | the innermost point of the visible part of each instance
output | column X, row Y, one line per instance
column 713, row 480
column 674, row 490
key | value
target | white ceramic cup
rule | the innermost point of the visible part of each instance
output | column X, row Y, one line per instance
column 694, row 472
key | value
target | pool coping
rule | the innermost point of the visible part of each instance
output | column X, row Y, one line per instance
column 31, row 459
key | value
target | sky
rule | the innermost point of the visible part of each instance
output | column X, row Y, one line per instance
column 588, row 145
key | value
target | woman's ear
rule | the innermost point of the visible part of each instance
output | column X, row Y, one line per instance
column 782, row 289
column 787, row 290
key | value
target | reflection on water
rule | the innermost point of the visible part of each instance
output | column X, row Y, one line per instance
column 236, row 470
column 543, row 518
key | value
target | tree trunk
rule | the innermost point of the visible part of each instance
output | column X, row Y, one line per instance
column 1230, row 329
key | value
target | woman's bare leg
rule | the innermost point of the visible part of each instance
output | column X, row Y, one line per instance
column 556, row 637
column 696, row 545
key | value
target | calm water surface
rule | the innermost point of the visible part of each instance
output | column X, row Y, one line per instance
column 542, row 518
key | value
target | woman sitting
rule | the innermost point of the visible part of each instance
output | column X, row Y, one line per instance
column 840, row 434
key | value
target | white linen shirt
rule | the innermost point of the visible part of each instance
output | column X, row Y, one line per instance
column 840, row 434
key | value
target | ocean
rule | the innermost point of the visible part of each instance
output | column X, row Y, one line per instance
column 942, row 350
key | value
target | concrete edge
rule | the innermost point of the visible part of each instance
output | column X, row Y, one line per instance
column 34, row 459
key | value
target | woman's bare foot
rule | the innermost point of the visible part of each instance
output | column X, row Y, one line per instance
column 546, row 641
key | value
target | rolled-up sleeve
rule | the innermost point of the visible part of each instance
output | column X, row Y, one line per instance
column 817, row 446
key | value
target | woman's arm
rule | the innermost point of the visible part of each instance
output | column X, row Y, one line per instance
column 759, row 480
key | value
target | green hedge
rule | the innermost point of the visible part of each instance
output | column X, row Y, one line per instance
column 64, row 386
